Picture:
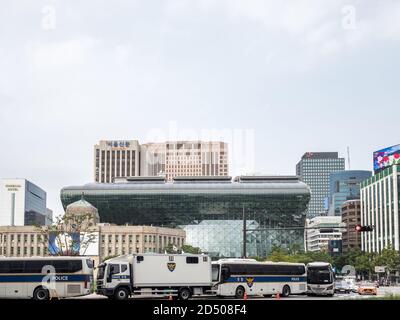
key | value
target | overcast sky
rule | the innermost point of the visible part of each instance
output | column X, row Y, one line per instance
column 273, row 78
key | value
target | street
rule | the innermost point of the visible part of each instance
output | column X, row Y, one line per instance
column 382, row 292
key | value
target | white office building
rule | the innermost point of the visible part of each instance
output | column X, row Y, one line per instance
column 114, row 159
column 322, row 230
column 380, row 197
column 22, row 203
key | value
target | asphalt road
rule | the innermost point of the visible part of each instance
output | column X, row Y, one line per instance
column 382, row 291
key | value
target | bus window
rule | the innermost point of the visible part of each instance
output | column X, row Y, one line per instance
column 89, row 263
column 215, row 272
column 4, row 267
column 17, row 266
column 35, row 266
column 225, row 273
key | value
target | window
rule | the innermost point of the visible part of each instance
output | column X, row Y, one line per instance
column 192, row 260
column 16, row 266
column 139, row 258
column 114, row 269
column 66, row 266
column 89, row 263
column 124, row 267
column 35, row 266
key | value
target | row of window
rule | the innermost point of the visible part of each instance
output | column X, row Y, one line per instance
column 146, row 239
column 258, row 269
column 20, row 237
column 36, row 266
column 19, row 251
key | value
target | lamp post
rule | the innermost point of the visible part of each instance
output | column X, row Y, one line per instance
column 244, row 234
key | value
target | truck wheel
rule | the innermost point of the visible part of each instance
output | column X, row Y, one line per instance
column 184, row 294
column 285, row 291
column 41, row 294
column 239, row 294
column 121, row 294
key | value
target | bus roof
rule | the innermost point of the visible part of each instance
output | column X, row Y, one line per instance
column 318, row 264
column 253, row 261
column 45, row 258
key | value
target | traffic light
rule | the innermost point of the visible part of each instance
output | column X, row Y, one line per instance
column 360, row 228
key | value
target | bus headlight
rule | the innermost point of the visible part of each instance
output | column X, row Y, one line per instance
column 330, row 287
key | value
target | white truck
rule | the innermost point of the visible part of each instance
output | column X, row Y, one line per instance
column 176, row 275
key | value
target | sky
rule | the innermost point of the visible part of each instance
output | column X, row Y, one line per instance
column 274, row 79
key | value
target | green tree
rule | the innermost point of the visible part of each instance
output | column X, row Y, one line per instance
column 71, row 235
column 364, row 263
column 185, row 248
column 190, row 249
column 278, row 255
column 388, row 258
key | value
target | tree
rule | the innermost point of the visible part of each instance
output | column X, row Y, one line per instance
column 364, row 264
column 190, row 249
column 70, row 235
column 185, row 248
column 388, row 258
column 278, row 255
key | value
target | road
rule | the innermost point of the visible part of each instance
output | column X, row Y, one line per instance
column 382, row 291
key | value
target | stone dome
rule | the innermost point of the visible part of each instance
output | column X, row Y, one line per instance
column 83, row 207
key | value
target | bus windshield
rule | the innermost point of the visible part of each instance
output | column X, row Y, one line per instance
column 215, row 272
column 319, row 276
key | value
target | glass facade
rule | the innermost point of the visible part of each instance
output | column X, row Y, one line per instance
column 35, row 205
column 343, row 186
column 314, row 169
column 210, row 212
column 22, row 203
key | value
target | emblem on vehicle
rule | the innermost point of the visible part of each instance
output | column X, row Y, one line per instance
column 250, row 282
column 171, row 266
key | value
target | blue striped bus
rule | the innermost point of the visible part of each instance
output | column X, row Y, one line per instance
column 43, row 278
column 237, row 277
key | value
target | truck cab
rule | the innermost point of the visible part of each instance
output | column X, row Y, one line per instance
column 114, row 279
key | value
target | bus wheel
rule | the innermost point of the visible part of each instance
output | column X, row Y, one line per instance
column 286, row 291
column 41, row 294
column 121, row 294
column 239, row 294
column 184, row 294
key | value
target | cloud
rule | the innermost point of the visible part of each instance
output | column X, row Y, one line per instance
column 61, row 54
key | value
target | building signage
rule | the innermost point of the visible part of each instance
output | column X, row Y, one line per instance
column 119, row 144
column 13, row 187
column 379, row 269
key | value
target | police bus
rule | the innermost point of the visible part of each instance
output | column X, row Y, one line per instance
column 43, row 278
column 237, row 277
column 320, row 279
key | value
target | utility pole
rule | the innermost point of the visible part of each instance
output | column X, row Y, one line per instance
column 244, row 234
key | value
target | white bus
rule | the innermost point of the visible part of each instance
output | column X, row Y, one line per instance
column 320, row 279
column 235, row 277
column 43, row 278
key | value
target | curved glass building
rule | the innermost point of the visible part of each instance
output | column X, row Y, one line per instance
column 209, row 209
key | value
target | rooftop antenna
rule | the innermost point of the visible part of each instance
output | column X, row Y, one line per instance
column 348, row 157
